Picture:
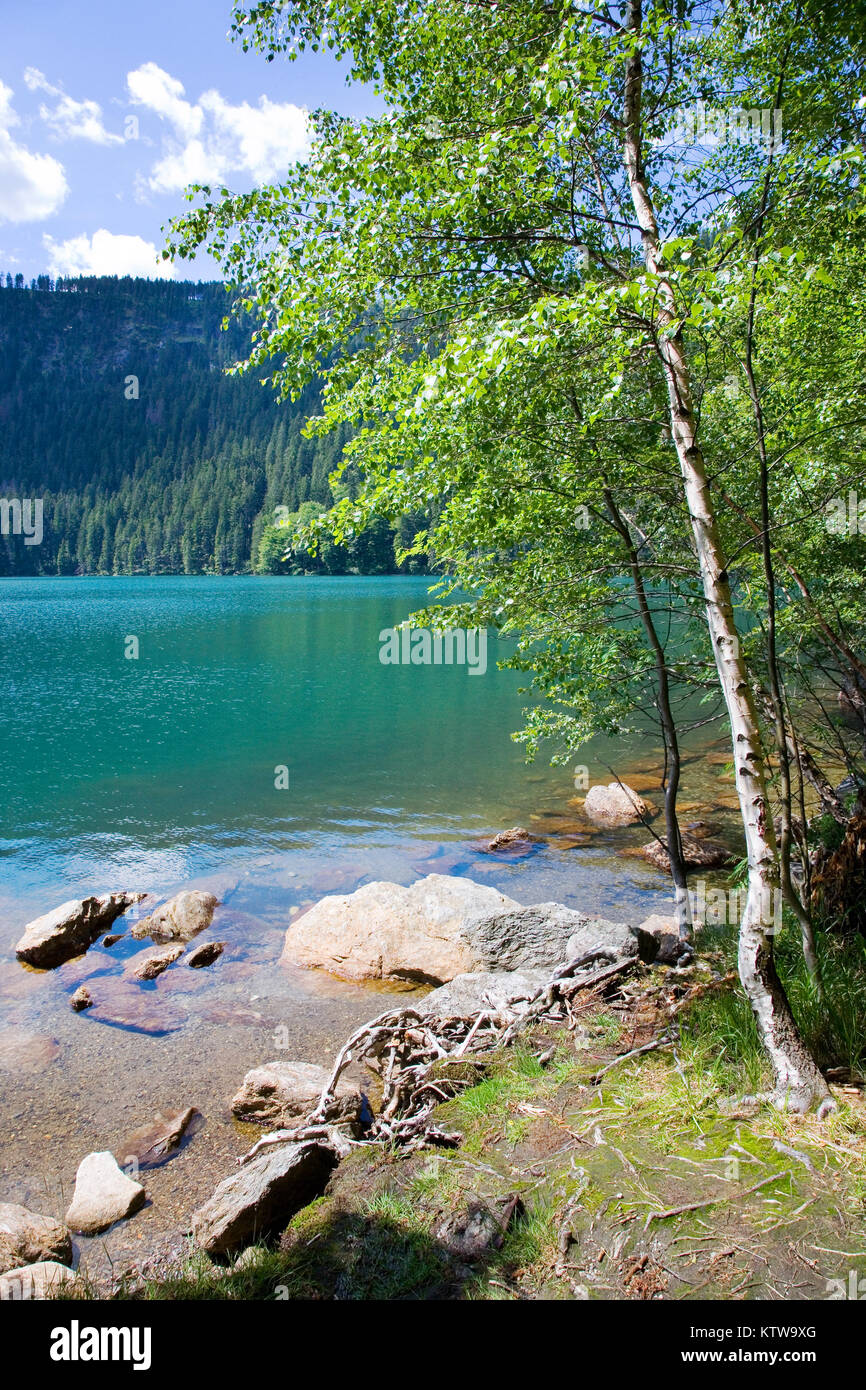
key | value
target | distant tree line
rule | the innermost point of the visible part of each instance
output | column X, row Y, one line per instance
column 116, row 410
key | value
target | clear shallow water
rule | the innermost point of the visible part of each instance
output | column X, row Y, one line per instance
column 158, row 773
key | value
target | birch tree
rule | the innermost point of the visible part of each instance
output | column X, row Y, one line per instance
column 518, row 286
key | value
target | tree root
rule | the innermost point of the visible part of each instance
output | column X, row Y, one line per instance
column 402, row 1047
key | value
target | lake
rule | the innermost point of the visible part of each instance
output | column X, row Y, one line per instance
column 256, row 745
column 157, row 769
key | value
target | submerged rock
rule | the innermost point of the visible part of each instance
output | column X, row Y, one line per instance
column 147, row 966
column 156, row 1141
column 282, row 1092
column 26, row 1052
column 261, row 1197
column 26, row 1237
column 122, row 1004
column 103, row 1195
column 71, row 928
column 81, row 999
column 205, row 954
column 514, row 843
column 615, row 805
column 387, row 931
column 697, row 853
column 46, row 1279
column 179, row 919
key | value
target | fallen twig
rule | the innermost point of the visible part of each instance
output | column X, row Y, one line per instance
column 714, row 1201
column 664, row 1041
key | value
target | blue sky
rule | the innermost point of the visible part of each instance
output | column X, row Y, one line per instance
column 107, row 110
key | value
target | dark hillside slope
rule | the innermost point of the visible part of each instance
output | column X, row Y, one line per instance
column 115, row 410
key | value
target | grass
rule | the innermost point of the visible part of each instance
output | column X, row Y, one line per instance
column 834, row 1029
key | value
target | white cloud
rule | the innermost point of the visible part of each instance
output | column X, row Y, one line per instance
column 190, row 163
column 69, row 119
column 156, row 89
column 213, row 139
column 33, row 185
column 36, row 81
column 78, row 120
column 268, row 137
column 105, row 254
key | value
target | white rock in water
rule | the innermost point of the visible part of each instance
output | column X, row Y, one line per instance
column 615, row 805
column 103, row 1194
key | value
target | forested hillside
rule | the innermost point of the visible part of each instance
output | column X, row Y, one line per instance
column 115, row 409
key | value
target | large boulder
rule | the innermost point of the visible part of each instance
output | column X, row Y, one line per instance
column 26, row 1237
column 386, row 931
column 543, row 935
column 262, row 1196
column 179, row 919
column 504, row 987
column 616, row 804
column 71, row 928
column 281, row 1093
column 441, row 927
column 103, row 1194
column 46, row 1279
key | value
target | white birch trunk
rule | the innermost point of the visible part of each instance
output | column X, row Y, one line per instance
column 798, row 1082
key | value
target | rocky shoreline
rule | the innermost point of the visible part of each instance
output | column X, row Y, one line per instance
column 487, row 957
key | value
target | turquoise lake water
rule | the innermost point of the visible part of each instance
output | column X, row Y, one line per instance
column 157, row 770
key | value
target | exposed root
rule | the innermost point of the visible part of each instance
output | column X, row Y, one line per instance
column 412, row 1053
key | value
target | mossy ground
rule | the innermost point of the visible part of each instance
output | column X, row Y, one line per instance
column 777, row 1204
